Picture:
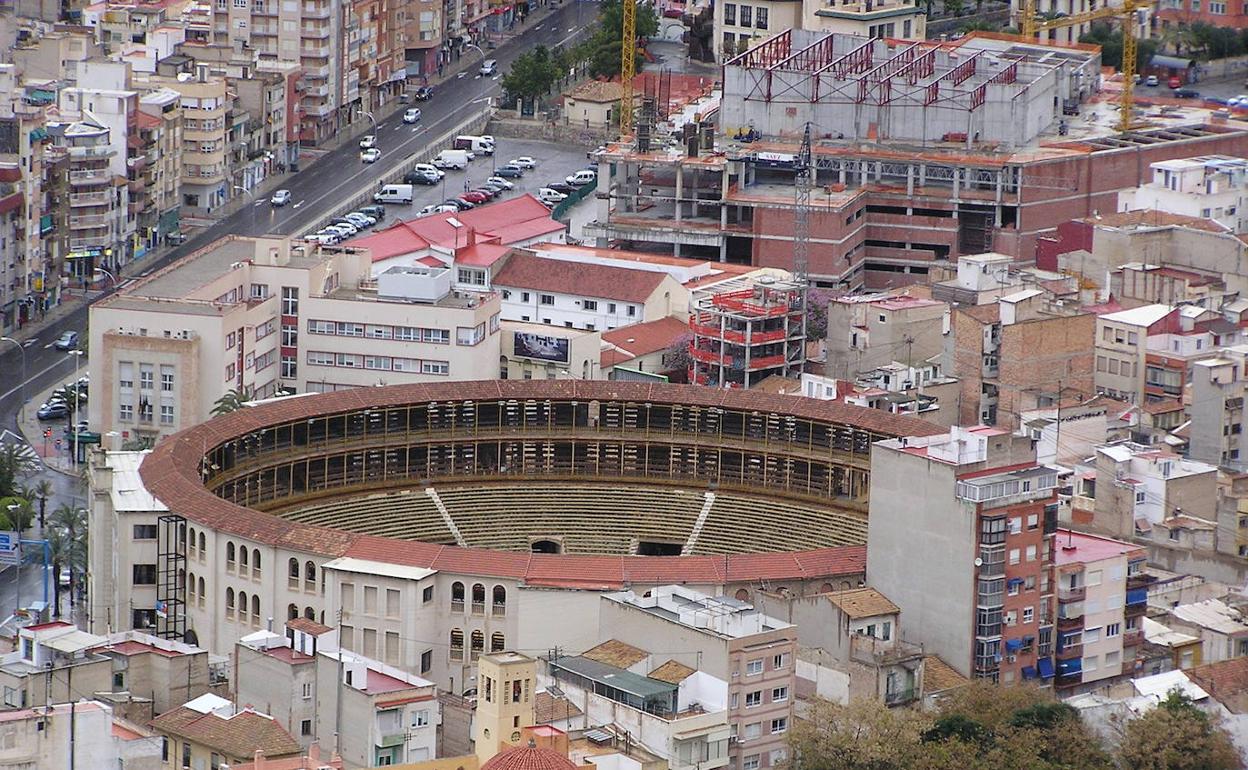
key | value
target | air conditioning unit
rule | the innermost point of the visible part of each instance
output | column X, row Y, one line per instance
column 1011, row 658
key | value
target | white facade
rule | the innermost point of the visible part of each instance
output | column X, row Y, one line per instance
column 39, row 738
column 593, row 313
column 1211, row 187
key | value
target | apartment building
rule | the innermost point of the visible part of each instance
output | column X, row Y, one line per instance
column 986, row 513
column 738, row 26
column 591, row 297
column 871, row 330
column 159, row 124
column 204, row 101
column 60, row 649
column 1102, row 595
column 164, row 672
column 96, row 736
column 1208, row 186
column 1018, row 353
column 746, row 330
column 724, row 638
column 1131, row 487
column 1217, row 408
column 1121, row 349
column 1233, row 514
column 261, row 314
column 380, row 715
column 211, row 730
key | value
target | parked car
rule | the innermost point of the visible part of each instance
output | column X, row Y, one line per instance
column 475, row 196
column 437, row 208
column 368, row 142
column 524, row 162
column 423, row 93
column 323, row 238
column 360, row 220
column 370, row 155
column 376, row 212
column 490, row 190
column 1175, row 82
column 551, row 197
column 1151, row 80
column 509, row 172
column 461, row 203
column 501, row 182
column 67, row 341
column 420, row 177
column 493, row 187
column 562, row 187
column 1186, row 93
column 53, row 410
column 280, row 198
column 411, row 115
column 1237, row 101
column 345, row 222
column 582, row 177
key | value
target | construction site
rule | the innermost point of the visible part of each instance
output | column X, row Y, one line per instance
column 920, row 152
column 745, row 331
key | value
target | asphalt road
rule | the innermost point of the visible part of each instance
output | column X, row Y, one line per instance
column 318, row 192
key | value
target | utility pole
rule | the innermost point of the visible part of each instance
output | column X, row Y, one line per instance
column 338, row 698
column 69, row 693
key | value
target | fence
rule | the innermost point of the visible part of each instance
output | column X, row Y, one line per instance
column 470, row 125
column 574, row 197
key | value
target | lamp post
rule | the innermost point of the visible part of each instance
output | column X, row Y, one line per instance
column 17, row 588
column 250, row 193
column 21, row 387
column 371, row 120
column 77, row 354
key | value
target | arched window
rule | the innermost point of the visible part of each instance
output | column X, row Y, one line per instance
column 478, row 599
column 457, row 644
column 292, row 612
column 200, row 592
column 242, row 606
column 478, row 643
column 229, row 556
column 498, row 642
column 309, row 613
column 190, row 587
column 500, row 600
column 309, row 572
column 826, row 588
column 255, row 561
column 292, row 568
column 242, row 558
column 191, row 542
column 229, row 602
column 743, row 595
column 255, row 609
column 457, row 596
column 181, row 577
column 202, row 544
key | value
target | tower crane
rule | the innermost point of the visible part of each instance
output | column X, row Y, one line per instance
column 628, row 61
column 1126, row 13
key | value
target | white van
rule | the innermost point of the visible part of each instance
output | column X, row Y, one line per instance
column 477, row 144
column 582, row 177
column 457, row 159
column 394, row 193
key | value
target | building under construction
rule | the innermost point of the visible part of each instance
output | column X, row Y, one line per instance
column 922, row 152
column 745, row 331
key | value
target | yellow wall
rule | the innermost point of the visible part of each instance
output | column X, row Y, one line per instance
column 466, row 762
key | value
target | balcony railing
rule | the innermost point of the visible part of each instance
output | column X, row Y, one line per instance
column 89, row 176
column 1140, row 580
column 89, row 220
column 457, row 606
column 1077, row 594
column 878, row 652
column 97, row 151
column 499, row 610
column 90, row 199
column 898, row 697
column 1132, row 638
column 478, row 608
column 1070, row 623
column 1070, row 651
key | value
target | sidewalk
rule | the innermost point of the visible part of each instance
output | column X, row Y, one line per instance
column 54, row 451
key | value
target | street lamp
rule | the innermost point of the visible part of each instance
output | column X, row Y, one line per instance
column 77, row 354
column 250, row 193
column 21, row 388
column 372, row 120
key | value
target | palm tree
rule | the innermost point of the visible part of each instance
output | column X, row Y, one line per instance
column 16, row 513
column 15, row 464
column 42, row 490
column 232, row 401
column 59, row 546
column 72, row 521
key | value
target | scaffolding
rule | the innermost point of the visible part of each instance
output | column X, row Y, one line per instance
column 743, row 335
column 171, row 577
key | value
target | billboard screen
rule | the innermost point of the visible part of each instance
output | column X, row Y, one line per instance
column 541, row 346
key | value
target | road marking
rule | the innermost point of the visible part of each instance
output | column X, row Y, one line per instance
column 297, row 205
column 45, row 347
column 399, row 127
column 36, row 375
column 414, row 130
column 258, row 203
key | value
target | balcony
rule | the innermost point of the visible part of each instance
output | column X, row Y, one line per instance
column 1133, row 637
column 478, row 608
column 1073, row 623
column 89, row 220
column 316, row 11
column 314, row 50
column 499, row 610
column 89, row 176
column 900, row 697
column 1070, row 651
column 1069, row 680
column 1140, row 580
column 94, row 151
column 264, row 30
column 389, row 741
column 1076, row 594
column 90, row 199
column 89, row 243
column 316, row 72
column 880, row 652
column 317, row 32
column 320, row 90
column 457, row 605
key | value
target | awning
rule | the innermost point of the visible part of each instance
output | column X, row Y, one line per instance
column 1015, row 581
column 1029, row 672
column 1045, row 667
column 1072, row 666
column 1014, row 645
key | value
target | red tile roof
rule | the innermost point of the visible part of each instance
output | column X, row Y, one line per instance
column 1226, row 682
column 528, row 758
column 171, row 473
column 641, row 339
column 239, row 736
column 501, row 224
column 308, row 626
column 526, row 271
column 1154, row 218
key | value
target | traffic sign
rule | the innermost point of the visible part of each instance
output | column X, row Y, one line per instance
column 10, row 547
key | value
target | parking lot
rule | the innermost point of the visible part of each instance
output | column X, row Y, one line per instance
column 554, row 163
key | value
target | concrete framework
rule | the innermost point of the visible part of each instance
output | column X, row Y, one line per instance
column 743, row 335
column 848, row 87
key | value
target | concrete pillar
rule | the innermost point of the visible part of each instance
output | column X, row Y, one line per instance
column 723, row 245
column 680, row 184
column 693, row 202
column 910, row 182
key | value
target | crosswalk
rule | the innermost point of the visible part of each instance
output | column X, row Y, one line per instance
column 26, row 450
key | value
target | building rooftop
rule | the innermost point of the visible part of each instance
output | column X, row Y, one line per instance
column 526, row 271
column 551, row 708
column 719, row 615
column 636, row 340
column 1145, row 316
column 1158, row 633
column 1226, row 681
column 616, row 653
column 1213, row 614
column 862, row 603
column 128, row 492
column 1152, row 218
column 1081, row 548
column 615, row 677
column 939, row 676
column 672, row 671
column 240, row 734
column 529, row 757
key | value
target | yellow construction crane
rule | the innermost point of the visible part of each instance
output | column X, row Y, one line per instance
column 1032, row 24
column 628, row 60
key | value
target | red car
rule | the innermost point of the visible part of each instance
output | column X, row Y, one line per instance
column 1175, row 82
column 475, row 197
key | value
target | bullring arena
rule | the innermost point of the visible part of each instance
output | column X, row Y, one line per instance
column 494, row 507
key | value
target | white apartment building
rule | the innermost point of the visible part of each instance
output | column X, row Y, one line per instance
column 388, row 717
column 1122, row 342
column 741, row 25
column 1219, row 385
column 267, row 314
column 41, row 737
column 1210, row 186
column 593, row 297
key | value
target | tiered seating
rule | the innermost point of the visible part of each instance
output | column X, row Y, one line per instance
column 589, row 518
column 742, row 524
column 408, row 516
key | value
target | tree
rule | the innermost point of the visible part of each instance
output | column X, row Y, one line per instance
column 16, row 513
column 817, row 314
column 676, row 357
column 863, row 735
column 1177, row 735
column 1109, row 37
column 532, row 74
column 15, row 465
column 232, row 401
column 42, row 491
column 72, row 521
column 606, row 41
column 59, row 554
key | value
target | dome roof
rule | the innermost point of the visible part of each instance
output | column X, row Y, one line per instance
column 528, row 758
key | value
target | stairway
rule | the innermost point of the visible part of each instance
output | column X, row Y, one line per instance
column 446, row 516
column 697, row 525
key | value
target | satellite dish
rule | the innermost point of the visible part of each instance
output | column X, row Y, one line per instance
column 979, row 562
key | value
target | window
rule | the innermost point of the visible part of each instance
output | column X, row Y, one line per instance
column 780, row 661
column 426, row 595
column 1090, row 663
column 435, row 367
column 307, row 690
column 1112, row 630
column 166, row 414
column 289, row 367
column 144, row 531
column 753, row 699
column 290, row 335
column 125, row 375
column 1033, row 521
column 589, row 304
column 166, row 379
column 1031, row 553
column 1029, row 614
column 524, row 296
column 1014, row 556
column 125, row 412
column 1112, row 659
column 498, row 642
column 420, row 718
column 546, row 299
column 1016, row 525
column 144, row 574
column 745, row 17
column 750, row 762
column 426, row 661
column 632, row 310
column 730, row 14
column 779, row 694
column 754, row 667
column 1091, row 635
column 1093, row 578
column 760, row 18
column 305, row 727
column 753, row 731
column 290, row 300
column 779, row 725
